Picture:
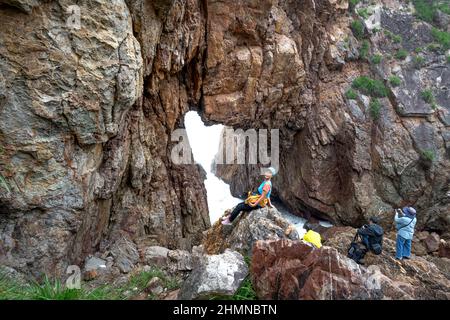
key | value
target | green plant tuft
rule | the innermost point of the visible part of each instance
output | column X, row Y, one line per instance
column 364, row 13
column 428, row 155
column 364, row 51
column 358, row 29
column 372, row 87
column 353, row 3
column 419, row 61
column 441, row 37
column 351, row 94
column 397, row 38
column 426, row 9
column 376, row 58
column 375, row 109
column 395, row 81
column 427, row 95
column 401, row 54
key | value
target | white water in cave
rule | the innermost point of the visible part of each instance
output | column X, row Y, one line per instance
column 204, row 141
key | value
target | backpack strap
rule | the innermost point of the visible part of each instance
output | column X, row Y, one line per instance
column 406, row 224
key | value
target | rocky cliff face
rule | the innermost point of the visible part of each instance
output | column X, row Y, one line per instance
column 87, row 114
column 85, row 132
column 344, row 155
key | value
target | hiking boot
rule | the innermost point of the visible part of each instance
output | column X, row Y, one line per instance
column 407, row 258
column 226, row 221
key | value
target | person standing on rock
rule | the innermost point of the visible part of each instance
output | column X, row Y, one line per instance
column 405, row 220
column 256, row 201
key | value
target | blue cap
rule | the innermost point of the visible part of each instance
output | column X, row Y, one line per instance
column 272, row 169
column 409, row 211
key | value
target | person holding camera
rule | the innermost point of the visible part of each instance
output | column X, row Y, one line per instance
column 405, row 220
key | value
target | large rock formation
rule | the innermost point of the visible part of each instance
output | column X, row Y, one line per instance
column 88, row 111
column 85, row 133
column 261, row 224
column 339, row 159
column 284, row 269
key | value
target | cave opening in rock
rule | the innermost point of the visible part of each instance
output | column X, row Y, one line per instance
column 204, row 141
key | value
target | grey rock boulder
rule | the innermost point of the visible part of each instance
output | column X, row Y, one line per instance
column 156, row 255
column 261, row 224
column 215, row 275
column 125, row 254
column 93, row 268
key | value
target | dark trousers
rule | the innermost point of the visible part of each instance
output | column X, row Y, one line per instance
column 365, row 240
column 241, row 207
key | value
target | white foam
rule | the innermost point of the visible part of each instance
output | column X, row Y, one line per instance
column 204, row 142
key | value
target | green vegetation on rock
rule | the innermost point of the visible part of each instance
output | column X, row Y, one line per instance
column 419, row 61
column 351, row 94
column 376, row 58
column 401, row 54
column 426, row 10
column 364, row 51
column 372, row 87
column 364, row 13
column 427, row 95
column 358, row 29
column 395, row 81
column 441, row 37
column 53, row 289
column 353, row 3
column 375, row 108
column 428, row 155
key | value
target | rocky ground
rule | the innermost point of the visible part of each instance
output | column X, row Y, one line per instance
column 262, row 252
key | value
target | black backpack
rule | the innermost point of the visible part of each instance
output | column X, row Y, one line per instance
column 376, row 240
column 357, row 250
column 376, row 245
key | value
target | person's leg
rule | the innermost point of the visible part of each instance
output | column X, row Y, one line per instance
column 399, row 247
column 240, row 207
column 407, row 249
column 365, row 241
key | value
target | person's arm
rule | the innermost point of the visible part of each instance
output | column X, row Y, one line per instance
column 396, row 218
column 365, row 231
column 259, row 199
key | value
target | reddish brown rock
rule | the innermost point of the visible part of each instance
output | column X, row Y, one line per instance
column 418, row 248
column 444, row 249
column 432, row 242
column 285, row 269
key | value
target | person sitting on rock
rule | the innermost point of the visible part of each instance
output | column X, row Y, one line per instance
column 312, row 237
column 372, row 235
column 256, row 201
column 405, row 220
